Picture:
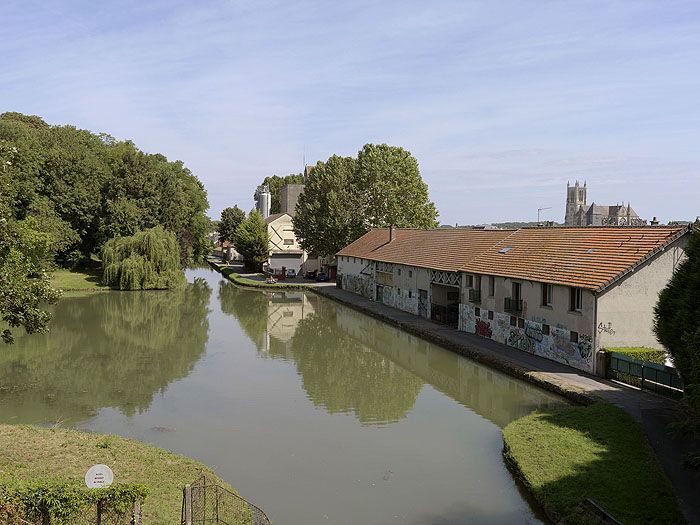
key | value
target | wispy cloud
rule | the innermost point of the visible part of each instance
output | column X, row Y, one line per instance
column 500, row 102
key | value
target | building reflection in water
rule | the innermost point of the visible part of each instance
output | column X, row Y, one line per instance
column 352, row 363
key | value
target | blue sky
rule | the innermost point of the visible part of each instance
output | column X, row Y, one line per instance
column 500, row 102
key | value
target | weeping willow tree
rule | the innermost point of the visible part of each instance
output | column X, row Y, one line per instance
column 148, row 260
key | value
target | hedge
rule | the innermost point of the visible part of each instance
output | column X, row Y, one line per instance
column 652, row 355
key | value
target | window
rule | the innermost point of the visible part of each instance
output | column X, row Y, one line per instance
column 398, row 290
column 410, row 273
column 515, row 292
column 477, row 312
column 521, row 322
column 288, row 241
column 513, row 320
column 470, row 280
column 545, row 329
column 453, row 296
column 492, row 285
column 399, row 271
column 547, row 294
column 574, row 337
column 354, row 259
column 575, row 299
column 410, row 294
column 491, row 314
column 477, row 282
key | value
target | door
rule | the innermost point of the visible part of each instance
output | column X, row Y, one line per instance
column 380, row 294
column 423, row 303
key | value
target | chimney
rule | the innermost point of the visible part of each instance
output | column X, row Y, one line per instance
column 654, row 221
column 392, row 233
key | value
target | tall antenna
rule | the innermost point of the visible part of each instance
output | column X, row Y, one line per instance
column 539, row 210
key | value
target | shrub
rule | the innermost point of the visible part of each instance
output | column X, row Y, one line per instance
column 62, row 502
column 651, row 355
column 148, row 260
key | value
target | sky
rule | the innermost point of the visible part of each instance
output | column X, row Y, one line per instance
column 501, row 102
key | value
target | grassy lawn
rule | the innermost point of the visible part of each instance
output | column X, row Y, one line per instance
column 86, row 279
column 27, row 452
column 596, row 452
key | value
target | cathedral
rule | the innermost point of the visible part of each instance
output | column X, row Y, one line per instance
column 578, row 213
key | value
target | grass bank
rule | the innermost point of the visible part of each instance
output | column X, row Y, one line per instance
column 241, row 280
column 596, row 452
column 89, row 279
column 28, row 452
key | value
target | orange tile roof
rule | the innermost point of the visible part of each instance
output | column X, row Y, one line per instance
column 445, row 249
column 586, row 257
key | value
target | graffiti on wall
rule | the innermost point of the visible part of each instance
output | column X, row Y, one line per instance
column 483, row 328
column 608, row 329
column 556, row 345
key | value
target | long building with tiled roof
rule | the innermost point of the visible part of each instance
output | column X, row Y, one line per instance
column 563, row 293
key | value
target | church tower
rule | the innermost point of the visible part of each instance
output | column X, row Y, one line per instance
column 575, row 200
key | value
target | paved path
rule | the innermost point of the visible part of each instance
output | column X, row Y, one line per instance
column 651, row 411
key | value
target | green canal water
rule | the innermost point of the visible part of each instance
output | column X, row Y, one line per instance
column 313, row 411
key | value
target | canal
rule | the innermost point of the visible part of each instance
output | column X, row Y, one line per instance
column 315, row 412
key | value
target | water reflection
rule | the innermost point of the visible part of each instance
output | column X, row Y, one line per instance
column 350, row 362
column 104, row 350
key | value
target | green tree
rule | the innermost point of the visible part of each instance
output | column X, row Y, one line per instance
column 252, row 240
column 24, row 285
column 275, row 184
column 326, row 217
column 677, row 322
column 390, row 190
column 231, row 218
column 149, row 260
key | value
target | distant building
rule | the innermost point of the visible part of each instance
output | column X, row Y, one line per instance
column 263, row 200
column 560, row 293
column 289, row 196
column 579, row 213
column 285, row 251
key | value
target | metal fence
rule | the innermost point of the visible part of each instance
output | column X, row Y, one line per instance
column 645, row 375
column 205, row 501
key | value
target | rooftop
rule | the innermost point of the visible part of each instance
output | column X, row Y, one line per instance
column 586, row 257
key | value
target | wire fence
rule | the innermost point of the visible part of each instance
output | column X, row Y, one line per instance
column 207, row 502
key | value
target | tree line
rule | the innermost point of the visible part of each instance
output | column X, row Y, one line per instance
column 65, row 192
column 343, row 198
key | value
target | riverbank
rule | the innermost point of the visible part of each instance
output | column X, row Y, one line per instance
column 652, row 413
column 235, row 274
column 86, row 280
column 28, row 452
column 580, row 459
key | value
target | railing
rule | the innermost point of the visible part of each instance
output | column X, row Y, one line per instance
column 513, row 305
column 205, row 501
column 645, row 375
column 474, row 295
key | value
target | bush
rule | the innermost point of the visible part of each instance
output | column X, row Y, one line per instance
column 148, row 260
column 62, row 502
column 651, row 355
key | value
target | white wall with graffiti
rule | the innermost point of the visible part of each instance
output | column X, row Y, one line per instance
column 528, row 336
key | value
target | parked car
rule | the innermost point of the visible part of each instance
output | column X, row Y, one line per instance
column 310, row 275
column 322, row 277
column 291, row 273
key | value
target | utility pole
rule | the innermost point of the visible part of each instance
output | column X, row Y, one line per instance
column 539, row 210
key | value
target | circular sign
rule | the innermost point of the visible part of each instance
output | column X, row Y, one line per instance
column 99, row 476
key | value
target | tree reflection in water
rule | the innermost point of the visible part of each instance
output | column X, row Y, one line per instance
column 338, row 373
column 349, row 362
column 111, row 349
